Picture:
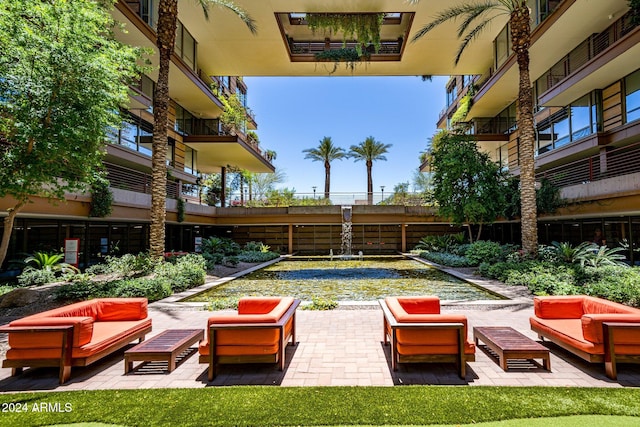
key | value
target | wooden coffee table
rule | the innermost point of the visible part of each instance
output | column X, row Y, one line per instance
column 508, row 343
column 166, row 345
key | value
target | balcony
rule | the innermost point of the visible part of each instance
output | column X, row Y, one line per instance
column 595, row 62
column 605, row 165
column 132, row 180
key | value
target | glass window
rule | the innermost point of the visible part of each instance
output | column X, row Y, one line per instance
column 544, row 139
column 149, row 12
column 128, row 135
column 178, row 42
column 561, row 132
column 145, row 135
column 502, row 46
column 580, row 118
column 190, row 156
column 189, row 49
column 632, row 99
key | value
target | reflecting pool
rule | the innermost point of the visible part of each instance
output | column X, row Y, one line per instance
column 349, row 280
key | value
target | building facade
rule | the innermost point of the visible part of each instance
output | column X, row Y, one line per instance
column 586, row 88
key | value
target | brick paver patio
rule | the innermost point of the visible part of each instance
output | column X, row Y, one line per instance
column 334, row 348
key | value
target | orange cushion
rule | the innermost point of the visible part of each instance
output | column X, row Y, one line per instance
column 397, row 308
column 122, row 309
column 592, row 328
column 266, row 337
column 253, row 308
column 105, row 334
column 594, row 305
column 420, row 305
column 82, row 332
column 558, row 307
column 568, row 331
column 257, row 305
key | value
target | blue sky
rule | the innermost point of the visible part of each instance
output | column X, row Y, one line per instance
column 295, row 113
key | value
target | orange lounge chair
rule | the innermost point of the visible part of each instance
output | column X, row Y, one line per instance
column 75, row 335
column 595, row 329
column 257, row 333
column 419, row 333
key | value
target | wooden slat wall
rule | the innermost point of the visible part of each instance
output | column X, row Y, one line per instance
column 612, row 106
column 512, row 147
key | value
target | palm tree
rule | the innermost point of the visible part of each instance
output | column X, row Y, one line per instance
column 166, row 35
column 475, row 17
column 326, row 152
column 369, row 150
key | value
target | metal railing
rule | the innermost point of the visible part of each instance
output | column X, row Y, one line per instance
column 387, row 47
column 584, row 52
column 136, row 181
column 617, row 162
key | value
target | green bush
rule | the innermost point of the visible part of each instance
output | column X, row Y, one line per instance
column 615, row 283
column 223, row 303
column 5, row 289
column 253, row 256
column 318, row 303
column 221, row 245
column 484, row 251
column 127, row 265
column 34, row 277
column 187, row 272
column 445, row 258
column 153, row 289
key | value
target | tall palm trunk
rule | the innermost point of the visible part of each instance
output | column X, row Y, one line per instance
column 327, row 179
column 369, row 182
column 167, row 17
column 521, row 38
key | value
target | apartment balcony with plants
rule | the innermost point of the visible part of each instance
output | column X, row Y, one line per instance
column 200, row 141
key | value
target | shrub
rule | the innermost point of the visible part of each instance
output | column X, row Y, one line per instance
column 253, row 256
column 230, row 261
column 153, row 289
column 318, row 303
column 484, row 251
column 34, row 277
column 187, row 272
column 221, row 245
column 223, row 303
column 5, row 289
column 445, row 258
column 127, row 265
column 615, row 283
column 253, row 247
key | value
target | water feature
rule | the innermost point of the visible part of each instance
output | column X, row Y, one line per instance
column 349, row 280
column 347, row 234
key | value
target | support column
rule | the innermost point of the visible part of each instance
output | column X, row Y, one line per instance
column 223, row 184
column 403, row 237
column 290, row 250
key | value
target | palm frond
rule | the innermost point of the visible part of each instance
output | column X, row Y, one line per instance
column 472, row 35
column 452, row 13
column 237, row 10
column 474, row 14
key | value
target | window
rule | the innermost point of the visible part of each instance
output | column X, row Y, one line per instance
column 184, row 121
column 544, row 139
column 242, row 96
column 190, row 157
column 149, row 12
column 632, row 96
column 580, row 118
column 134, row 133
column 502, row 46
column 185, row 46
column 452, row 93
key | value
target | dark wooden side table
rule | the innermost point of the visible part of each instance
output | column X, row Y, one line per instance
column 508, row 343
column 166, row 345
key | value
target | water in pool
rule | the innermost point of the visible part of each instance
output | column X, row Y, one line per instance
column 348, row 280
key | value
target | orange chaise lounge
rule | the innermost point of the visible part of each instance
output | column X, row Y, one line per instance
column 257, row 333
column 419, row 333
column 75, row 335
column 595, row 329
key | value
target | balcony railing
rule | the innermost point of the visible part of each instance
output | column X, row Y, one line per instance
column 617, row 162
column 584, row 52
column 311, row 47
column 136, row 181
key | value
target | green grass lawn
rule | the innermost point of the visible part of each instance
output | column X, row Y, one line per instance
column 309, row 406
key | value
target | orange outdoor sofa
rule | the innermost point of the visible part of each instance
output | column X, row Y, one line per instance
column 595, row 329
column 75, row 335
column 419, row 333
column 257, row 333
